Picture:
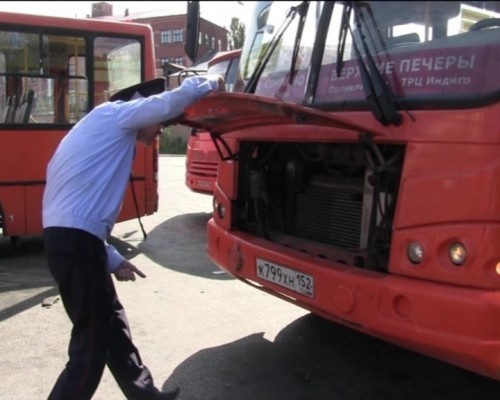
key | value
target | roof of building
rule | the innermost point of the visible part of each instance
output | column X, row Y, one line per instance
column 153, row 14
column 135, row 16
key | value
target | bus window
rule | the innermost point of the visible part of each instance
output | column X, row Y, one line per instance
column 54, row 67
column 44, row 67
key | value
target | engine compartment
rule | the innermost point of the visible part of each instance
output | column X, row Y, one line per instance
column 330, row 200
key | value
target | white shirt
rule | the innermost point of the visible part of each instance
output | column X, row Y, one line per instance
column 89, row 172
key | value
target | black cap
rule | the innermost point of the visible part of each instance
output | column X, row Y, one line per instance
column 145, row 89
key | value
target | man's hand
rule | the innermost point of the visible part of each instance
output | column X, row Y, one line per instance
column 127, row 271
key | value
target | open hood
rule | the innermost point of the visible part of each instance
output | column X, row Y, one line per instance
column 221, row 113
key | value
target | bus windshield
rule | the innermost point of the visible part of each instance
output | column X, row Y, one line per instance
column 437, row 54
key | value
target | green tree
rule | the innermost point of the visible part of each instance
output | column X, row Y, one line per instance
column 170, row 144
column 237, row 34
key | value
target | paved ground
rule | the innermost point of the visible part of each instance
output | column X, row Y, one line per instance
column 205, row 331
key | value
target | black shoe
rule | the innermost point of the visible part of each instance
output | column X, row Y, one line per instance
column 168, row 395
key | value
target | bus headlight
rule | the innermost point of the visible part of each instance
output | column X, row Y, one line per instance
column 415, row 252
column 457, row 253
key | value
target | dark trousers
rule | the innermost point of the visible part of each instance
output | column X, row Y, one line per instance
column 100, row 334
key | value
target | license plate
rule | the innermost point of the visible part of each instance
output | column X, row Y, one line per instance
column 204, row 184
column 285, row 277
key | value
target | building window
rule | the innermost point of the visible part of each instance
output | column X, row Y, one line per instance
column 179, row 60
column 206, row 39
column 200, row 39
column 178, row 37
column 220, row 45
column 212, row 46
column 164, row 61
column 165, row 37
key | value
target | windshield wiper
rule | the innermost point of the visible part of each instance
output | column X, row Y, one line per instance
column 344, row 27
column 378, row 93
column 302, row 9
column 292, row 12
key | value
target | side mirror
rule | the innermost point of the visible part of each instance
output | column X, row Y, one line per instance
column 192, row 29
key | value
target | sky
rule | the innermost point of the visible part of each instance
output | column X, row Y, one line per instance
column 218, row 12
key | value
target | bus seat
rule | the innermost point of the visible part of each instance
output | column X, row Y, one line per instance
column 30, row 96
column 24, row 110
column 10, row 110
column 5, row 112
column 18, row 110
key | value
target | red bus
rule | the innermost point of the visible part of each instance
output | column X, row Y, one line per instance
column 360, row 171
column 52, row 72
column 202, row 158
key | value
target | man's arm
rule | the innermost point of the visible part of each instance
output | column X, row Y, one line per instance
column 155, row 109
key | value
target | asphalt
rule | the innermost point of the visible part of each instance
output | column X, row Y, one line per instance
column 204, row 331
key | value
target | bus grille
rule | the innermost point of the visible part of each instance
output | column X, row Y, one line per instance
column 208, row 169
column 329, row 215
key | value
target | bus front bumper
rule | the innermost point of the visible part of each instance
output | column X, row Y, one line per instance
column 454, row 324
